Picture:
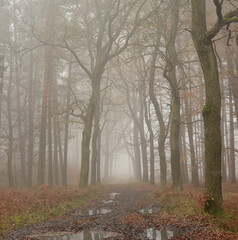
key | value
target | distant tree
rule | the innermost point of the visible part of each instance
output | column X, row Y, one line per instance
column 170, row 75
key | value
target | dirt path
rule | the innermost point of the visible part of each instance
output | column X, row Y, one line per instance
column 121, row 212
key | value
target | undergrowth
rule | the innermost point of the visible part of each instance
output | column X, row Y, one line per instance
column 191, row 202
column 19, row 208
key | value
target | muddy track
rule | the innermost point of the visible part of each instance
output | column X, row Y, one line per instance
column 120, row 212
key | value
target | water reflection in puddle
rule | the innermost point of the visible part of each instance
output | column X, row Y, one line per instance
column 113, row 195
column 83, row 236
column 106, row 202
column 92, row 212
column 144, row 211
column 163, row 234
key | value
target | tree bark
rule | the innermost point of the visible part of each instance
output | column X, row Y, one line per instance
column 87, row 130
column 143, row 138
column 170, row 75
column 2, row 69
column 232, row 165
column 48, row 59
column 232, row 96
column 162, row 134
column 50, row 153
column 95, row 145
column 19, row 107
column 66, row 128
column 136, row 147
column 99, row 157
column 10, row 126
column 149, row 126
column 194, row 166
column 211, row 110
column 31, row 121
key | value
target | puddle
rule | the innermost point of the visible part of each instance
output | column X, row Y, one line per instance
column 92, row 212
column 145, row 211
column 163, row 234
column 113, row 195
column 83, row 236
column 106, row 202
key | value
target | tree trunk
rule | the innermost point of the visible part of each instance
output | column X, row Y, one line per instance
column 66, row 128
column 19, row 110
column 2, row 69
column 87, row 130
column 232, row 165
column 58, row 154
column 95, row 145
column 143, row 138
column 55, row 161
column 107, row 150
column 136, row 147
column 61, row 157
column 31, row 121
column 194, row 166
column 149, row 126
column 99, row 158
column 223, row 144
column 162, row 135
column 10, row 127
column 48, row 59
column 235, row 85
column 170, row 75
column 183, row 158
column 232, row 92
column 50, row 160
column 212, row 109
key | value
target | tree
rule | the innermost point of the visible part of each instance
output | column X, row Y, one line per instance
column 46, row 98
column 159, row 115
column 202, row 38
column 170, row 75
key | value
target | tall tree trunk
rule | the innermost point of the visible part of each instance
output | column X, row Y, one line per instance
column 55, row 161
column 183, row 158
column 232, row 165
column 19, row 110
column 95, row 145
column 149, row 126
column 162, row 134
column 223, row 148
column 10, row 126
column 99, row 158
column 136, row 147
column 107, row 150
column 61, row 157
column 31, row 121
column 87, row 130
column 234, row 81
column 233, row 88
column 2, row 68
column 50, row 155
column 48, row 59
column 194, row 166
column 211, row 110
column 143, row 138
column 66, row 128
column 57, row 138
column 170, row 75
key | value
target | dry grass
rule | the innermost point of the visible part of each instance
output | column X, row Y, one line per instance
column 191, row 202
column 19, row 208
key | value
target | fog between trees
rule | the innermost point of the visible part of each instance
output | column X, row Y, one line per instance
column 95, row 89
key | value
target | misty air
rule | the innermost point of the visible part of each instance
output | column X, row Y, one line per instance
column 118, row 119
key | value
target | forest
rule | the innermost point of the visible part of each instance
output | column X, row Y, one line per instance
column 118, row 119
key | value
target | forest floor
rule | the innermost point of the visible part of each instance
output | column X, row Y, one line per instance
column 133, row 211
